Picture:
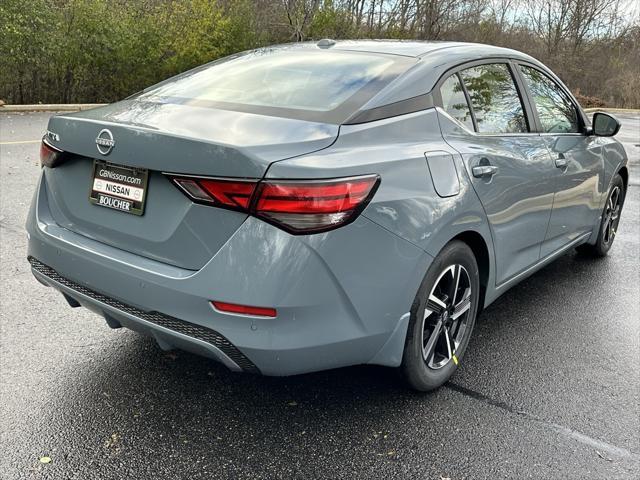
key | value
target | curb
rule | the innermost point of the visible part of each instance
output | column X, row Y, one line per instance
column 59, row 107
column 613, row 110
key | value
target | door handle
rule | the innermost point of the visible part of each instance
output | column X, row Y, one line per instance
column 484, row 171
column 561, row 162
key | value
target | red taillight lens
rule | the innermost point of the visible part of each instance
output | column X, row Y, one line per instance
column 49, row 156
column 231, row 194
column 244, row 309
column 234, row 194
column 300, row 206
column 310, row 198
column 314, row 206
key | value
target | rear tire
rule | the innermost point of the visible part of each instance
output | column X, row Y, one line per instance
column 442, row 318
column 609, row 223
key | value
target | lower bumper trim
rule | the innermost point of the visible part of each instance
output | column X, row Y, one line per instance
column 192, row 330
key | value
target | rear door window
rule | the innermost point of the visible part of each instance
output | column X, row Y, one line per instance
column 556, row 111
column 495, row 99
column 454, row 101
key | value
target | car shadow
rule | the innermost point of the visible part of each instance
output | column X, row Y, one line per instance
column 130, row 399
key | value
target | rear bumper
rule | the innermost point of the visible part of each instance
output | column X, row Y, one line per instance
column 342, row 297
column 166, row 330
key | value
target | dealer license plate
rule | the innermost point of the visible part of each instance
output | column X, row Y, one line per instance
column 119, row 187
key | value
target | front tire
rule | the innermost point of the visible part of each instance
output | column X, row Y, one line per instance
column 610, row 220
column 442, row 318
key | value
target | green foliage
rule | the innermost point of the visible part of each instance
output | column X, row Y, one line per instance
column 55, row 51
column 331, row 22
column 198, row 31
column 103, row 50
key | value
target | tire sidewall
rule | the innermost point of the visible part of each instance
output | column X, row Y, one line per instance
column 415, row 369
column 602, row 247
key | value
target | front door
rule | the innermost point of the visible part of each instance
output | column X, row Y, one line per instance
column 577, row 159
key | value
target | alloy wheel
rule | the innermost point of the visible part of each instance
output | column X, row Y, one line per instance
column 611, row 216
column 446, row 317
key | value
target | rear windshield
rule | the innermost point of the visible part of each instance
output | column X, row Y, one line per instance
column 321, row 85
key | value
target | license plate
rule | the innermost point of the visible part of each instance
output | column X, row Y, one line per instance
column 119, row 187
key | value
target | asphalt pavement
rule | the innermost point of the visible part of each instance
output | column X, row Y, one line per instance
column 549, row 388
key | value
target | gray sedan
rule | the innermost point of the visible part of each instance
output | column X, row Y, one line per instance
column 317, row 205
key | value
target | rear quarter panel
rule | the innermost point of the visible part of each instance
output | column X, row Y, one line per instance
column 406, row 202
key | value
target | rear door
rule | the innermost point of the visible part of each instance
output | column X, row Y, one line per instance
column 576, row 156
column 509, row 165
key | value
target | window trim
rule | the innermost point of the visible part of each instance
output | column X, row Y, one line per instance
column 515, row 76
column 433, row 99
column 583, row 122
column 438, row 102
column 474, row 120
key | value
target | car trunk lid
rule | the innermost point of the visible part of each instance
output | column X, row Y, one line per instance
column 190, row 139
column 168, row 138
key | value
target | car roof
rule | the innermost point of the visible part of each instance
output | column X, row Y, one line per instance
column 421, row 49
column 433, row 60
column 414, row 48
column 409, row 48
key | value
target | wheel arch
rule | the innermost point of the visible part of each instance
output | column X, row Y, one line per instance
column 480, row 249
column 624, row 173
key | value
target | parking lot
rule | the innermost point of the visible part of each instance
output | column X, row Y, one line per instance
column 549, row 388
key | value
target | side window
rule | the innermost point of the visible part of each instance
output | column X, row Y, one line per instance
column 556, row 112
column 454, row 101
column 495, row 99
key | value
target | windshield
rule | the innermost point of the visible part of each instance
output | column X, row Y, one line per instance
column 302, row 83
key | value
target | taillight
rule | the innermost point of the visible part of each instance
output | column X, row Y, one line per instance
column 49, row 155
column 234, row 194
column 314, row 206
column 297, row 206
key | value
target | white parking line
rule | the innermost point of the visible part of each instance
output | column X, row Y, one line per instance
column 598, row 445
column 20, row 141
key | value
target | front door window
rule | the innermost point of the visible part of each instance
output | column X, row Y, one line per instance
column 556, row 112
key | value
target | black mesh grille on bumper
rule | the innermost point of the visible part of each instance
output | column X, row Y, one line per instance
column 198, row 332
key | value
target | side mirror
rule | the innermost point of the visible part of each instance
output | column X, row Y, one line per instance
column 605, row 125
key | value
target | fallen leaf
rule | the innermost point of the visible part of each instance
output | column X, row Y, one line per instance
column 608, row 459
column 45, row 459
column 292, row 403
column 113, row 441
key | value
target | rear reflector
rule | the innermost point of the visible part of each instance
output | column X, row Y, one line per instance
column 49, row 156
column 297, row 206
column 244, row 309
